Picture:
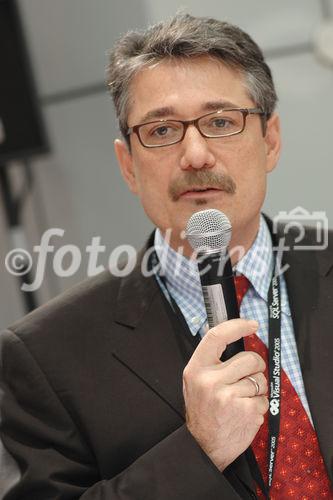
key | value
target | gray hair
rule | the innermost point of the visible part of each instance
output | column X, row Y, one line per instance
column 182, row 37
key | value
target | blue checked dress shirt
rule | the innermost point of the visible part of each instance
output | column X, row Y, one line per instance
column 179, row 277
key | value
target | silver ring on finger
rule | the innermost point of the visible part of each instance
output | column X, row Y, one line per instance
column 256, row 385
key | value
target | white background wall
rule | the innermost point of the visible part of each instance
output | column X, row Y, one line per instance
column 78, row 187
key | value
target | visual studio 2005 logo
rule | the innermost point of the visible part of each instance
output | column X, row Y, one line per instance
column 297, row 220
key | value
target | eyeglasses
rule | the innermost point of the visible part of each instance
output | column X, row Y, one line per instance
column 221, row 123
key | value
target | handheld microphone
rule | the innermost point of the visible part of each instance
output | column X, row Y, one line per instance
column 209, row 234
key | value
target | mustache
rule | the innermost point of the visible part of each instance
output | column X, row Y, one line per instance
column 197, row 179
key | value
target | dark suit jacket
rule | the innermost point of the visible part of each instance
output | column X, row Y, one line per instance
column 92, row 383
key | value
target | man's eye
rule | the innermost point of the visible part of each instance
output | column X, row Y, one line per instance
column 161, row 131
column 220, row 123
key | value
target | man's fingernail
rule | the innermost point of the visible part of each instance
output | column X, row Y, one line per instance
column 253, row 324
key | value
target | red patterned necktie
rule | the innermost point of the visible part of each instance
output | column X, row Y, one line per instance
column 299, row 471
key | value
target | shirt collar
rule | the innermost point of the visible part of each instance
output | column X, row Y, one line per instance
column 173, row 265
column 179, row 277
column 257, row 263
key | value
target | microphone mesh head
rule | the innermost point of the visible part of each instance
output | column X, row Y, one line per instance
column 208, row 231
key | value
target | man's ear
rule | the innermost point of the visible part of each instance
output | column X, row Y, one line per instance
column 273, row 142
column 125, row 161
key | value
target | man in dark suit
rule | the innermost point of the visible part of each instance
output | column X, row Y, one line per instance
column 93, row 404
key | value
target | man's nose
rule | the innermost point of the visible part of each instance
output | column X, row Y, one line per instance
column 196, row 152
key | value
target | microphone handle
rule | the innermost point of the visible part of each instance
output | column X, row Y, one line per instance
column 219, row 293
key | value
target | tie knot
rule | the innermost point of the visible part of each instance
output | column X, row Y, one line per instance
column 242, row 285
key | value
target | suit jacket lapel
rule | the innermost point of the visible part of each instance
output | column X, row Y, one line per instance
column 148, row 345
column 309, row 283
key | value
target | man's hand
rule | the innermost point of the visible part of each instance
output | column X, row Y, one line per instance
column 223, row 411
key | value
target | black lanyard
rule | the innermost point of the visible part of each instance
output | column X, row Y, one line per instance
column 274, row 383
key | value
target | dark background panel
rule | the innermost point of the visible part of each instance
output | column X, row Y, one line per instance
column 22, row 130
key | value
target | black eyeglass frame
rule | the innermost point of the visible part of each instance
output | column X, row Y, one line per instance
column 186, row 123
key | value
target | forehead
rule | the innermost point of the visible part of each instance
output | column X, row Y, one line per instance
column 185, row 88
